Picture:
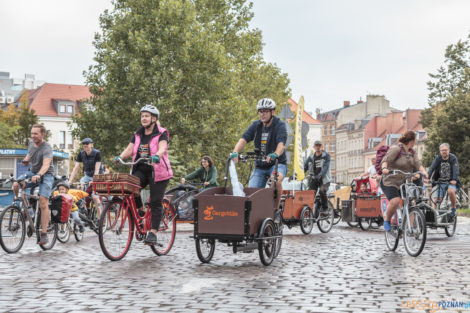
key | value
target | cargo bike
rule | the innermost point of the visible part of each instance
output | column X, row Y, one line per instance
column 302, row 208
column 364, row 207
column 120, row 220
column 245, row 223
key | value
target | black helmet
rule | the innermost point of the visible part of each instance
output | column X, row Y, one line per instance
column 63, row 183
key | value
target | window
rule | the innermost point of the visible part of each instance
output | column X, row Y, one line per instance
column 7, row 167
column 332, row 147
column 61, row 108
column 325, row 130
column 69, row 140
column 332, row 129
column 70, row 109
column 332, row 164
column 62, row 139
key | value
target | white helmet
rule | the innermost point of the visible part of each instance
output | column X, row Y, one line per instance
column 266, row 103
column 151, row 109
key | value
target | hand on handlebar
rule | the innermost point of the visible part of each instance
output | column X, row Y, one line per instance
column 117, row 159
column 234, row 157
column 35, row 179
column 155, row 159
column 271, row 157
column 24, row 162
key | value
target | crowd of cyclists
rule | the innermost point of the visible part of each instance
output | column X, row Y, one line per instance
column 269, row 134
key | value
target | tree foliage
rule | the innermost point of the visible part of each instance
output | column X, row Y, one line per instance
column 448, row 117
column 197, row 61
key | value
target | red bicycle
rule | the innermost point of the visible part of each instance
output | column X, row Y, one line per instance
column 120, row 220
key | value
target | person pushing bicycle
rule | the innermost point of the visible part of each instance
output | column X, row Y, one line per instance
column 150, row 141
column 445, row 169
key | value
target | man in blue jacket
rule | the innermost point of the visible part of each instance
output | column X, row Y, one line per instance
column 269, row 134
column 445, row 169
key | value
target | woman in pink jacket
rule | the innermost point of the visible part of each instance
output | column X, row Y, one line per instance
column 151, row 141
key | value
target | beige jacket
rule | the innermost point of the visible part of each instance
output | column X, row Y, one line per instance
column 406, row 163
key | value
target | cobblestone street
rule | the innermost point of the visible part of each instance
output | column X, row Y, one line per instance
column 346, row 270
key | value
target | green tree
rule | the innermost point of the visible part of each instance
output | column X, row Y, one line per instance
column 197, row 61
column 448, row 117
column 7, row 133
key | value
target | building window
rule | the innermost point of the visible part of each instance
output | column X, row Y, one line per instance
column 69, row 140
column 61, row 108
column 332, row 164
column 332, row 147
column 7, row 167
column 325, row 130
column 332, row 129
column 70, row 109
column 62, row 139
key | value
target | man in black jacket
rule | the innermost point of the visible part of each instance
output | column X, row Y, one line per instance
column 318, row 167
column 269, row 134
column 445, row 169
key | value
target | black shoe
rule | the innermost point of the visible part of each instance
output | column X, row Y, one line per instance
column 151, row 239
column 43, row 239
column 81, row 228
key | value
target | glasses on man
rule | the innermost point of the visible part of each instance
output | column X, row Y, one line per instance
column 264, row 111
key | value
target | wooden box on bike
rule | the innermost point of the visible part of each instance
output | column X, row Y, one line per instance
column 368, row 206
column 218, row 212
column 116, row 184
column 295, row 202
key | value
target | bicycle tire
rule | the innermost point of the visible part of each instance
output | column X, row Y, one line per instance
column 112, row 224
column 419, row 232
column 306, row 220
column 167, row 231
column 267, row 247
column 338, row 216
column 205, row 249
column 365, row 223
column 8, row 215
column 450, row 230
column 353, row 224
column 63, row 232
column 325, row 224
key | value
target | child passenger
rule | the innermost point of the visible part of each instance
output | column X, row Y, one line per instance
column 64, row 188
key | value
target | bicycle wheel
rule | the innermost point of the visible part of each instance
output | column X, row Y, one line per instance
column 63, row 232
column 52, row 229
column 365, row 223
column 94, row 217
column 338, row 216
column 414, row 234
column 76, row 232
column 278, row 241
column 167, row 230
column 392, row 237
column 353, row 224
column 116, row 230
column 325, row 221
column 12, row 229
column 266, row 246
column 205, row 249
column 450, row 230
column 306, row 220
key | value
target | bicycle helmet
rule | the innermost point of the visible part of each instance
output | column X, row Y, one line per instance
column 63, row 183
column 266, row 103
column 151, row 109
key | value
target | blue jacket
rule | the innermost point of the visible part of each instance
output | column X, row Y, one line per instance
column 277, row 134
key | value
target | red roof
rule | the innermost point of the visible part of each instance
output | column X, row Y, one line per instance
column 41, row 99
column 306, row 117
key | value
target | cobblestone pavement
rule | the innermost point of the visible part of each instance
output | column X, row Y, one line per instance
column 346, row 270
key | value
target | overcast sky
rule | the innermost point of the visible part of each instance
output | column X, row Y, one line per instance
column 332, row 50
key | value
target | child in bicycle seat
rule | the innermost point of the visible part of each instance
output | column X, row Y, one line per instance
column 64, row 188
column 363, row 189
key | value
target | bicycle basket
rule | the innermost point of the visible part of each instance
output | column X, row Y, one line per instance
column 116, row 184
column 411, row 191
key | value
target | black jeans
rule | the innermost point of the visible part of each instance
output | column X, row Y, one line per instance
column 313, row 184
column 157, row 191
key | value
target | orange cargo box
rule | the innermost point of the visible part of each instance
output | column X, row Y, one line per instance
column 368, row 206
column 296, row 201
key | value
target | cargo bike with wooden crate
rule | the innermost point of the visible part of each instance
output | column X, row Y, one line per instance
column 246, row 223
column 302, row 208
column 120, row 220
column 364, row 208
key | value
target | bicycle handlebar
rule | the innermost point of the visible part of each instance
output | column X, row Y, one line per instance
column 407, row 174
column 141, row 160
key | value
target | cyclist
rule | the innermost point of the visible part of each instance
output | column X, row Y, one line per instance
column 402, row 157
column 150, row 141
column 371, row 172
column 41, row 172
column 445, row 168
column 207, row 173
column 318, row 167
column 91, row 159
column 269, row 134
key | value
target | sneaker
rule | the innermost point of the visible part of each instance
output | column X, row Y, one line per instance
column 452, row 212
column 387, row 226
column 81, row 228
column 151, row 239
column 43, row 240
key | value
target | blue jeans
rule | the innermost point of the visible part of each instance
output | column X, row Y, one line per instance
column 86, row 179
column 442, row 188
column 45, row 183
column 260, row 176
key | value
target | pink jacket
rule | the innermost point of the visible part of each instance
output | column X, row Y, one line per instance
column 163, row 169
